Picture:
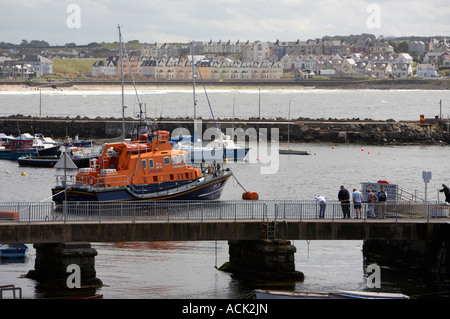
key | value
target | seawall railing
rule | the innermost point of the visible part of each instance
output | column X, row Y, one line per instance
column 226, row 210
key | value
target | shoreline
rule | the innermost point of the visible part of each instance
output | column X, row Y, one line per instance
column 334, row 84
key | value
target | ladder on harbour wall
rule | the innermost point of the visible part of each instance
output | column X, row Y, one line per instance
column 272, row 233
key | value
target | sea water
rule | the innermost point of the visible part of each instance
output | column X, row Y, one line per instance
column 188, row 269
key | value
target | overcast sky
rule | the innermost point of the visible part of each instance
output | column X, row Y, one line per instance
column 83, row 21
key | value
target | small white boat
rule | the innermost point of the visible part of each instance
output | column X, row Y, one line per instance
column 219, row 150
column 341, row 294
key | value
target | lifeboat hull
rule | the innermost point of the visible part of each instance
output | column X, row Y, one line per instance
column 210, row 189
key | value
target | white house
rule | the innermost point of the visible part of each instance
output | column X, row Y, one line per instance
column 404, row 58
column 402, row 70
column 39, row 64
column 426, row 70
column 104, row 68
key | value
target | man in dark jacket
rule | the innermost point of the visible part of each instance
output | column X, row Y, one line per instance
column 446, row 192
column 344, row 198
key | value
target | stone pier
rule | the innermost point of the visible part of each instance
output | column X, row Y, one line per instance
column 266, row 260
column 53, row 259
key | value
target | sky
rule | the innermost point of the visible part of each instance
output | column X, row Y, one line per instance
column 84, row 21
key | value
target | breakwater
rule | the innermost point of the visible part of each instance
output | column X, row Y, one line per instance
column 389, row 132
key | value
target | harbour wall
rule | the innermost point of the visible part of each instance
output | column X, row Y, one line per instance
column 389, row 132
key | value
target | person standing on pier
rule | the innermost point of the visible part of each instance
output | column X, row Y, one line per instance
column 344, row 198
column 371, row 200
column 322, row 205
column 382, row 197
column 356, row 195
column 446, row 192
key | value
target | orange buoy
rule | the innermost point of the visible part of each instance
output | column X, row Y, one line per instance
column 9, row 215
column 250, row 196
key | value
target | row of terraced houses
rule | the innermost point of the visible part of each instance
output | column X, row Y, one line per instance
column 271, row 61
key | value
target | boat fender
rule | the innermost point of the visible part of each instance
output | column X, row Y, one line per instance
column 91, row 180
column 250, row 196
column 209, row 170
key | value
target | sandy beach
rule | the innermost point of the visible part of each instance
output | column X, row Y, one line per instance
column 332, row 84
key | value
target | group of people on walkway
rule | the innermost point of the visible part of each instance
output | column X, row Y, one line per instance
column 356, row 197
column 379, row 199
column 372, row 199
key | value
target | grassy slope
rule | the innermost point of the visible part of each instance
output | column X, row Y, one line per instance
column 72, row 66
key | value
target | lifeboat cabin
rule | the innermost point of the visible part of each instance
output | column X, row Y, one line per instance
column 144, row 169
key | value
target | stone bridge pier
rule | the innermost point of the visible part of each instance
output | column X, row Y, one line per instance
column 52, row 265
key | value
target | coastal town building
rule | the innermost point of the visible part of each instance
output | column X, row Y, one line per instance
column 416, row 47
column 17, row 70
column 426, row 70
column 104, row 68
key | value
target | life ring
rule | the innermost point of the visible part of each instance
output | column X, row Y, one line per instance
column 91, row 180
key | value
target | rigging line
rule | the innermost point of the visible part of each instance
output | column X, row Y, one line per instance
column 238, row 182
column 210, row 108
column 54, row 195
column 215, row 265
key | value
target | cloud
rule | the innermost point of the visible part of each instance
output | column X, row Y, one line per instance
column 202, row 20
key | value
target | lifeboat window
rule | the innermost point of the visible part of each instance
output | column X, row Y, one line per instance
column 186, row 175
column 174, row 160
column 144, row 164
column 155, row 178
column 150, row 163
column 166, row 161
column 181, row 158
column 171, row 177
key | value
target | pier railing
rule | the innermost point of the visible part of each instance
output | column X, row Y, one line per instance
column 226, row 210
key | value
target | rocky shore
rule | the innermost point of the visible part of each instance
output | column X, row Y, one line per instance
column 432, row 132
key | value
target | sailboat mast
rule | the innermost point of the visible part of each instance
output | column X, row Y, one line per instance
column 289, row 121
column 121, row 75
column 193, row 89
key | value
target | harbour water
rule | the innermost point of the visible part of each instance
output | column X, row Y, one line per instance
column 187, row 269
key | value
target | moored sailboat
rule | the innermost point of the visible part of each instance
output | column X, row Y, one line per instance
column 287, row 150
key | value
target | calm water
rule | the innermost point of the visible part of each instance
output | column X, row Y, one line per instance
column 187, row 269
column 308, row 103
